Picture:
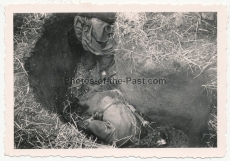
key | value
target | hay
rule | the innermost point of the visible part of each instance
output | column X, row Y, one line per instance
column 169, row 37
column 41, row 129
column 158, row 34
column 35, row 127
column 212, row 125
column 164, row 39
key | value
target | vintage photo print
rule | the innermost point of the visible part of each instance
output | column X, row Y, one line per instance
column 133, row 80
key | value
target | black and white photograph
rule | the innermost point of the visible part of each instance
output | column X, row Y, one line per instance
column 115, row 80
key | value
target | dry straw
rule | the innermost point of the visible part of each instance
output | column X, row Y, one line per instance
column 184, row 38
column 35, row 127
column 172, row 36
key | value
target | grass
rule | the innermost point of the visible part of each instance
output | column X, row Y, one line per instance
column 164, row 39
column 174, row 37
column 173, row 137
column 212, row 124
column 34, row 126
column 37, row 128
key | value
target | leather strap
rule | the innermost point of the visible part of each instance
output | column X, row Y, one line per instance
column 109, row 105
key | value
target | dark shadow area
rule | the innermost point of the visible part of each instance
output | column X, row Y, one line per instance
column 181, row 102
column 55, row 57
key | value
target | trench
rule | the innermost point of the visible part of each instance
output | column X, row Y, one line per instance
column 55, row 57
column 180, row 102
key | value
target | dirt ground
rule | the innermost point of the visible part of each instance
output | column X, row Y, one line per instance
column 180, row 110
column 176, row 57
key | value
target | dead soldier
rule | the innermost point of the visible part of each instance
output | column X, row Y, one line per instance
column 108, row 116
column 105, row 114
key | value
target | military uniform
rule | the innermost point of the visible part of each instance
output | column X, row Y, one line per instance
column 96, row 38
column 109, row 117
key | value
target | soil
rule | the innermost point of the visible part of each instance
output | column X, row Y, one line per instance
column 181, row 101
column 55, row 57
